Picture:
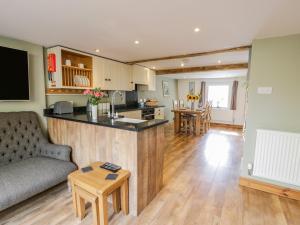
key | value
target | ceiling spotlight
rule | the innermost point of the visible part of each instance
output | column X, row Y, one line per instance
column 182, row 64
column 97, row 50
column 153, row 67
column 136, row 42
column 197, row 29
column 219, row 61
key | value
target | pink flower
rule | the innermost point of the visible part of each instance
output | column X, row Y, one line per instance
column 87, row 92
column 97, row 94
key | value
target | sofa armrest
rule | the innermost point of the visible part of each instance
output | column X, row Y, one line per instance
column 61, row 152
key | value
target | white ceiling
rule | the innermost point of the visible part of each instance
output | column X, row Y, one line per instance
column 209, row 74
column 207, row 60
column 163, row 27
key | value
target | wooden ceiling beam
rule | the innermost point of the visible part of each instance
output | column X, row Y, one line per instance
column 203, row 69
column 235, row 49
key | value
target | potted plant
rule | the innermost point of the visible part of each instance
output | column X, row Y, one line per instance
column 193, row 98
column 94, row 97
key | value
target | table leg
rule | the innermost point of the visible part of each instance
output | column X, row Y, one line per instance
column 116, row 200
column 81, row 206
column 124, row 197
column 103, row 210
column 95, row 207
column 74, row 198
column 198, row 124
column 177, row 122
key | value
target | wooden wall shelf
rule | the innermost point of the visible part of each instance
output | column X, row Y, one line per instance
column 73, row 76
column 68, row 91
column 76, row 68
column 69, row 70
column 76, row 77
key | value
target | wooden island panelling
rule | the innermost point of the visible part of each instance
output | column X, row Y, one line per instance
column 139, row 152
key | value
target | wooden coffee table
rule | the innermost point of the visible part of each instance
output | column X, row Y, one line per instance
column 92, row 186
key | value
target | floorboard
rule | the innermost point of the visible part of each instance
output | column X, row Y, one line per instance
column 200, row 187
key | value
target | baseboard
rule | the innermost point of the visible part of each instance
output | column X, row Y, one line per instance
column 227, row 125
column 270, row 188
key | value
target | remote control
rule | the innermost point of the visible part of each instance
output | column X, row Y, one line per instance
column 111, row 167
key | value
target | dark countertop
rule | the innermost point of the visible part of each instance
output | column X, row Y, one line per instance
column 83, row 117
column 124, row 108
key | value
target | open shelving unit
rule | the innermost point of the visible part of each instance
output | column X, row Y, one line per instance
column 72, row 78
column 72, row 73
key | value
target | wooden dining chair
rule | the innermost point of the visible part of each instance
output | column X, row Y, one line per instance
column 175, row 104
column 184, row 125
column 209, row 116
column 181, row 104
column 204, row 119
column 188, row 123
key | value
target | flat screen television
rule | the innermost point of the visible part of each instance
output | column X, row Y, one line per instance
column 14, row 80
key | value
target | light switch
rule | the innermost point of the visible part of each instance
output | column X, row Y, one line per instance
column 264, row 90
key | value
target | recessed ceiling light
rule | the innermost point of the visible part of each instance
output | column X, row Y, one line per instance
column 219, row 61
column 197, row 29
column 97, row 50
column 182, row 64
column 153, row 67
column 136, row 42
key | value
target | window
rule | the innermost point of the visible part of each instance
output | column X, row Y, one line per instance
column 218, row 95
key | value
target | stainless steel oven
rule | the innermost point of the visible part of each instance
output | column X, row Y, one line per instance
column 148, row 114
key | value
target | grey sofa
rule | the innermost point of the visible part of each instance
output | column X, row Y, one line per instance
column 29, row 164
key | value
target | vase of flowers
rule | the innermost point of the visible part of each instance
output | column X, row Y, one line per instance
column 193, row 98
column 94, row 98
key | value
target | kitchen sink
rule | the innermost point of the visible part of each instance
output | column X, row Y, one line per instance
column 130, row 120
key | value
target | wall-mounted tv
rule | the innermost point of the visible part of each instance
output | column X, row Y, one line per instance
column 14, row 80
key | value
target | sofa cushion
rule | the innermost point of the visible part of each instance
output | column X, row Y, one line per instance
column 23, row 179
column 21, row 136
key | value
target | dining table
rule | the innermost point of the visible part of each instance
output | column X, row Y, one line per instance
column 177, row 118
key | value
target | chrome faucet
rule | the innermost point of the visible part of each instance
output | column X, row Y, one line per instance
column 113, row 98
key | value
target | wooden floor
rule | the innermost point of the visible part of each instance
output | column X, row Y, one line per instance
column 200, row 187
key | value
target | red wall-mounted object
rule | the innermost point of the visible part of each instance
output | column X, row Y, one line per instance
column 51, row 62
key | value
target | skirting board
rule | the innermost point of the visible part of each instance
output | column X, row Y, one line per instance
column 227, row 125
column 270, row 188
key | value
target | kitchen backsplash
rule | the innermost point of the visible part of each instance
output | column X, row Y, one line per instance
column 80, row 100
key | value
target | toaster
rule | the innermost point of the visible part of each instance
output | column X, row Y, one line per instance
column 63, row 107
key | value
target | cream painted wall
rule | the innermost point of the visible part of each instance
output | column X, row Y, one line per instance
column 36, row 78
column 167, row 101
column 226, row 116
column 275, row 62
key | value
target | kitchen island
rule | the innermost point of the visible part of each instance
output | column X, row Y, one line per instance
column 137, row 147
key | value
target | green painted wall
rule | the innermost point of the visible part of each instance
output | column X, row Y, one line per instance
column 275, row 62
column 158, row 94
column 36, row 77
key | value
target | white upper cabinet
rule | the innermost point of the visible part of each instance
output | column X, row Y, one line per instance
column 149, row 80
column 124, row 76
column 140, row 75
column 111, row 75
column 96, row 72
column 98, row 67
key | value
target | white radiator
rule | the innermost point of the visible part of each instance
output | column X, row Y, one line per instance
column 277, row 156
